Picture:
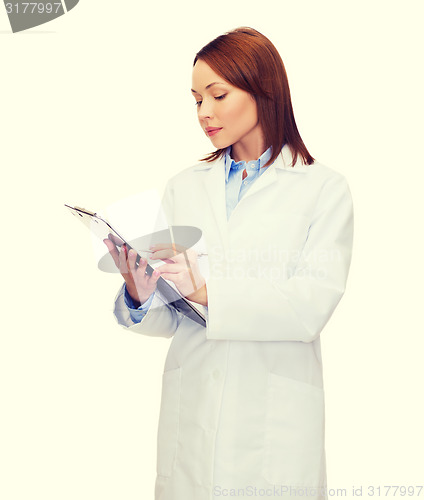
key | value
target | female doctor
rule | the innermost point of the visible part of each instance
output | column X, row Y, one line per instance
column 242, row 409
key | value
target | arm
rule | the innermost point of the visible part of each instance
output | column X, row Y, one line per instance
column 294, row 309
column 159, row 320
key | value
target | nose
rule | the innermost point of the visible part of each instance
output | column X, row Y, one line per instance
column 205, row 110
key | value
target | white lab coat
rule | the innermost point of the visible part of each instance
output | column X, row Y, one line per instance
column 242, row 399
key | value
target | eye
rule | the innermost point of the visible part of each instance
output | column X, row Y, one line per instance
column 217, row 98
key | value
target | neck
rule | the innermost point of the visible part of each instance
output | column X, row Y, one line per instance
column 248, row 150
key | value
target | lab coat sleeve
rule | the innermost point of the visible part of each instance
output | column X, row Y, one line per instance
column 136, row 313
column 160, row 320
column 297, row 308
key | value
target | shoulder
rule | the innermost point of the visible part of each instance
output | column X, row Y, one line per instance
column 323, row 172
column 322, row 175
column 331, row 188
column 315, row 174
column 192, row 173
column 319, row 182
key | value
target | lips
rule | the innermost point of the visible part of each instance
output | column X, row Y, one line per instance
column 212, row 130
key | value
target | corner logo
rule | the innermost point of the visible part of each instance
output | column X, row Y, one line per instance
column 25, row 15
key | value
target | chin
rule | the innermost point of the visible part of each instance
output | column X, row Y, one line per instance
column 220, row 144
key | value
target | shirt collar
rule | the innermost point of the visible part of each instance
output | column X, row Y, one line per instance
column 229, row 162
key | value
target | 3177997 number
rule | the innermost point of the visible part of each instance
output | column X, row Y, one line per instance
column 393, row 491
column 33, row 8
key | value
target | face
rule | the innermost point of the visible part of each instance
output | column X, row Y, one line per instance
column 227, row 114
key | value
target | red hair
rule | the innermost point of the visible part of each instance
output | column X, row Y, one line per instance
column 249, row 61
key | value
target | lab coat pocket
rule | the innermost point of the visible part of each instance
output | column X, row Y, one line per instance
column 294, row 432
column 168, row 422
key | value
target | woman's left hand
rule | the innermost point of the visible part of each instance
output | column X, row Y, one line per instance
column 183, row 270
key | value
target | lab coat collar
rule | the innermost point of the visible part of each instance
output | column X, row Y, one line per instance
column 214, row 182
column 283, row 161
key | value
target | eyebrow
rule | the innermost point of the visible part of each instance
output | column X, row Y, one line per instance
column 208, row 86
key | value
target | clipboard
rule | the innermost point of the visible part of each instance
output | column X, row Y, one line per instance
column 103, row 229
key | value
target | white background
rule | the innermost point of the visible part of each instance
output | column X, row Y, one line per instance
column 95, row 107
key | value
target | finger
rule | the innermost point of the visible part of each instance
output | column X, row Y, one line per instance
column 154, row 277
column 132, row 258
column 141, row 271
column 164, row 254
column 171, row 268
column 113, row 251
column 123, row 265
column 174, row 277
column 192, row 254
column 167, row 255
column 142, row 264
column 115, row 239
column 173, row 248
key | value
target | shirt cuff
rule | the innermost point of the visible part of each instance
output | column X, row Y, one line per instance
column 137, row 314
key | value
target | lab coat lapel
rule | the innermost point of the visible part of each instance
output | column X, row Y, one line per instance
column 283, row 162
column 214, row 182
column 264, row 180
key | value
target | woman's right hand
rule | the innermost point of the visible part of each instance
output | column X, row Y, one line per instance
column 139, row 284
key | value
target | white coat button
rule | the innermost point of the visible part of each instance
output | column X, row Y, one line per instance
column 216, row 374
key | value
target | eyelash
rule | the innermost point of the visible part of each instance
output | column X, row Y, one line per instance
column 218, row 98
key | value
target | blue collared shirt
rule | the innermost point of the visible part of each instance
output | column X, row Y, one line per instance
column 235, row 186
column 235, row 189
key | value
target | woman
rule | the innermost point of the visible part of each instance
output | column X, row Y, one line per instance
column 242, row 409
